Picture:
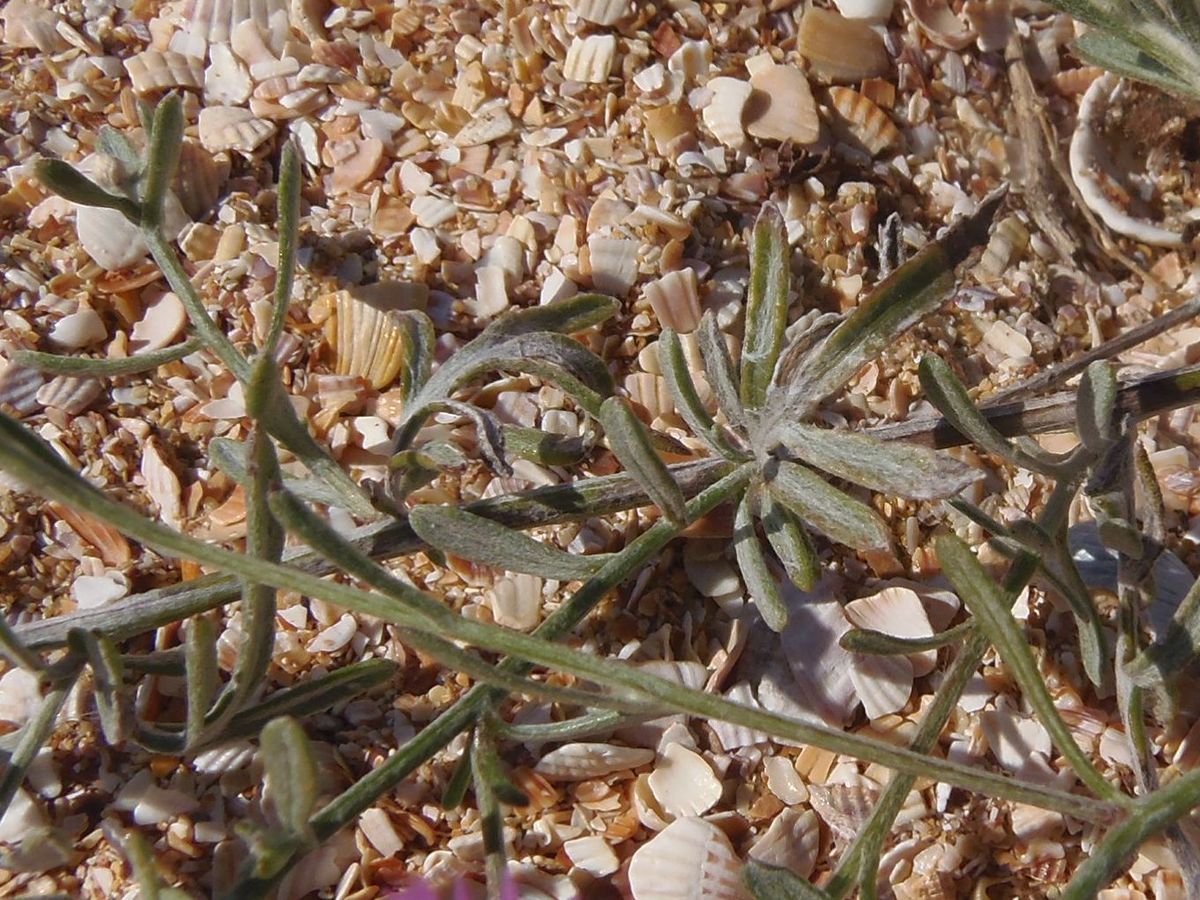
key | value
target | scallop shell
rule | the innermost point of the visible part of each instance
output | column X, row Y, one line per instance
column 897, row 611
column 581, row 761
column 602, row 12
column 675, row 299
column 940, row 23
column 651, row 393
column 590, row 59
column 227, row 757
column 723, row 115
column 19, row 387
column 365, row 339
column 791, row 843
column 158, row 70
column 782, row 107
column 866, row 123
column 215, row 20
column 683, row 783
column 614, row 264
column 840, row 49
column 71, row 394
column 232, row 128
column 690, row 859
column 883, row 683
column 433, row 211
column 1013, row 737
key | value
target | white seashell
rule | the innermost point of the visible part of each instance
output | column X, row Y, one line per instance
column 692, row 60
column 675, row 299
column 711, row 576
column 335, row 637
column 157, row 70
column 248, row 41
column 645, row 805
column 897, row 611
column 161, row 322
column 227, row 757
column 24, row 814
column 1089, row 159
column 689, row 674
column 516, row 601
column 819, row 665
column 433, row 211
column 162, row 484
column 791, row 843
column 593, row 855
column 357, row 161
column 650, row 392
column 845, row 808
column 91, row 591
column 1009, row 239
column 1005, row 339
column 232, row 128
column 485, row 127
column 590, row 59
column 150, row 804
column 688, row 860
column 376, row 826
column 491, row 293
column 365, row 339
column 734, row 736
column 614, row 264
column 683, row 783
column 20, row 696
column 1013, row 737
column 215, row 20
column 723, row 115
column 784, row 781
column 883, row 683
column 80, row 329
column 111, row 240
column 226, row 80
column 782, row 107
column 71, row 394
column 602, row 12
column 940, row 23
column 871, row 10
column 581, row 761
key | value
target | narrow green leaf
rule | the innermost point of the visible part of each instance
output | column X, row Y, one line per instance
column 775, row 883
column 419, row 343
column 488, row 434
column 33, row 736
column 13, row 649
column 202, row 676
column 456, row 788
column 683, row 390
column 108, row 683
column 906, row 296
column 752, row 563
column 891, row 467
column 130, row 365
column 987, row 602
column 766, row 305
column 544, row 447
column 789, row 538
column 114, row 143
column 718, row 366
column 162, row 158
column 291, row 774
column 818, row 503
column 586, row 725
column 1109, row 51
column 1175, row 648
column 491, row 788
column 631, row 443
column 288, row 228
column 1097, row 398
column 569, row 316
column 453, row 530
column 487, row 766
column 70, row 184
column 877, row 643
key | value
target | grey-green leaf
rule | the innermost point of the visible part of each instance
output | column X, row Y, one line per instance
column 631, row 443
column 291, row 774
column 718, row 366
column 774, row 883
column 1097, row 398
column 815, row 501
column 481, row 540
column 162, row 158
column 947, row 393
column 766, row 305
column 683, row 389
column 757, row 575
column 789, row 538
column 891, row 467
column 567, row 316
column 70, row 184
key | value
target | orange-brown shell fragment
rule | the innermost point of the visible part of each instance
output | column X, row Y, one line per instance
column 781, row 106
column 863, row 121
column 840, row 49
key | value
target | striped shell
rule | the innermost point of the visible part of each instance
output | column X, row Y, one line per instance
column 865, row 122
column 690, row 859
column 215, row 20
column 157, row 70
column 590, row 59
column 366, row 340
column 602, row 12
column 232, row 128
column 579, row 762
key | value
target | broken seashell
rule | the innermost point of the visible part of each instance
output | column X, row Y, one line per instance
column 897, row 611
column 1005, row 339
column 840, row 49
column 940, row 23
column 683, row 783
column 92, row 591
column 675, row 299
column 1013, row 737
column 433, row 211
column 723, row 115
column 516, row 601
column 232, row 128
column 111, row 240
column 592, row 854
column 365, row 339
column 784, row 781
column 781, row 107
column 672, row 127
column 590, row 59
column 80, row 329
column 226, row 80
column 883, row 683
column 70, row 393
column 357, row 161
column 112, row 546
column 158, row 70
column 819, row 665
column 791, row 843
column 870, row 10
column 162, row 484
column 602, row 12
column 162, row 322
column 690, row 859
column 614, row 264
column 336, row 637
column 485, row 126
column 1009, row 239
column 864, row 121
column 845, row 807
column 992, row 21
column 199, row 179
column 581, row 761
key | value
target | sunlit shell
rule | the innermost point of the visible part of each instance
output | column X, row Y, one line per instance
column 723, row 114
column 232, row 128
column 690, row 859
column 433, row 211
column 162, row 484
column 590, row 59
column 19, row 386
column 871, row 10
column 691, row 60
column 782, row 107
column 1009, row 239
column 578, row 762
column 683, row 783
column 845, row 808
column 32, row 27
column 162, row 322
column 1005, row 339
column 215, row 20
column 732, row 735
column 354, row 162
column 336, row 637
column 841, row 49
column 865, row 122
column 227, row 757
column 1012, row 737
column 93, row 591
column 109, row 543
column 226, row 80
column 784, row 781
column 516, row 601
column 613, row 263
column 156, row 70
column 248, row 39
column 940, row 23
column 672, row 127
column 791, row 843
column 365, row 340
column 593, row 855
column 79, row 329
column 675, row 299
column 602, row 12
column 485, row 126
column 883, row 683
column 897, row 611
column 70, row 393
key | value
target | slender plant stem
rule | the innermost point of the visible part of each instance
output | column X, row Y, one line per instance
column 130, row 365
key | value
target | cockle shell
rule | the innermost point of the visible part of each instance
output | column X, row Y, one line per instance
column 897, row 611
column 232, row 128
column 675, row 299
column 782, row 107
column 690, row 859
column 365, row 339
column 791, row 843
column 581, row 761
column 865, row 122
column 158, row 70
column 840, row 49
column 590, row 59
column 602, row 12
column 723, row 115
column 215, row 20
column 70, row 393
